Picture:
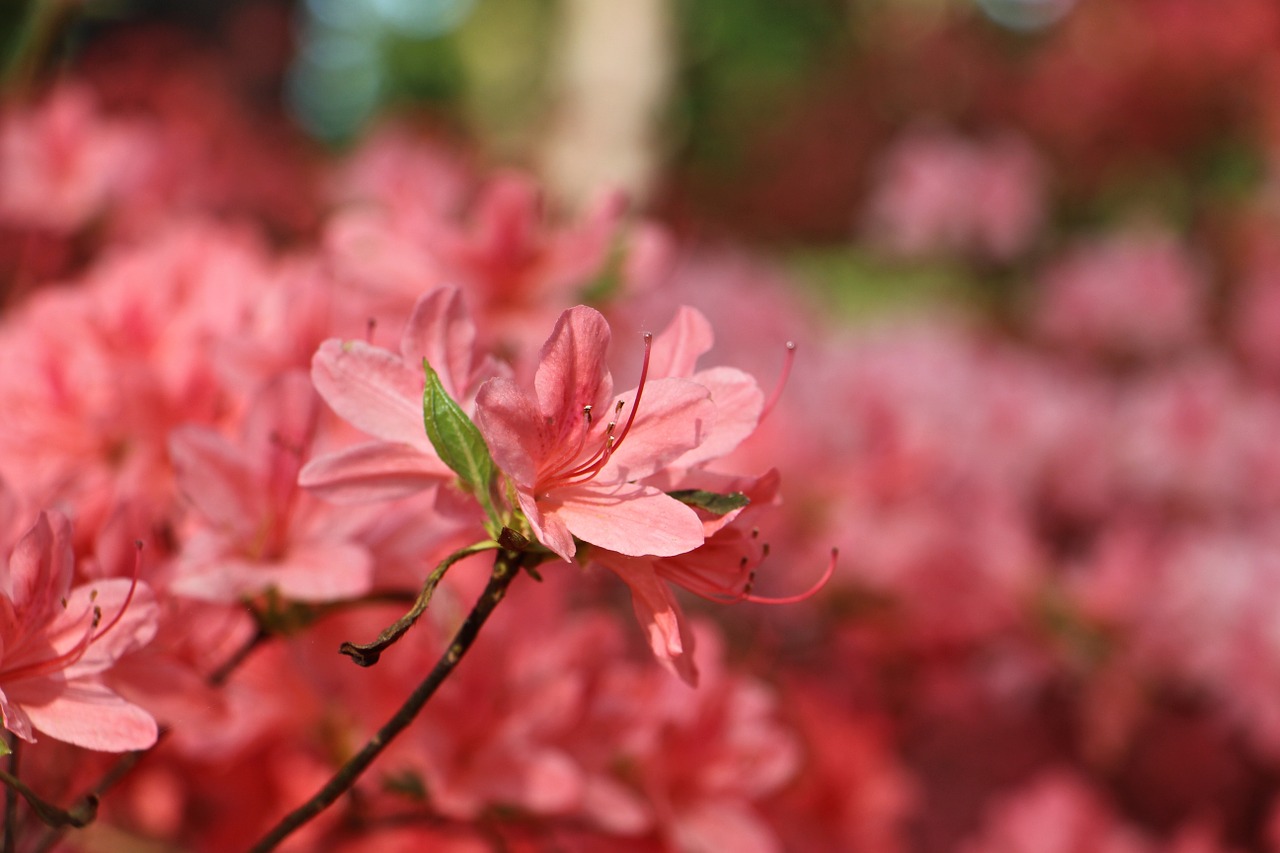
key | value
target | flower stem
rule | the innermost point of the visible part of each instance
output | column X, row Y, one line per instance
column 367, row 654
column 80, row 815
column 505, row 567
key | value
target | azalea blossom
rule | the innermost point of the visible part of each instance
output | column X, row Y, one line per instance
column 575, row 454
column 380, row 392
column 56, row 641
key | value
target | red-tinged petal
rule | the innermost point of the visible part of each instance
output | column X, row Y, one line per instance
column 16, row 719
column 659, row 615
column 626, row 518
column 215, row 476
column 441, row 331
column 550, row 530
column 516, row 433
column 572, row 373
column 738, row 402
column 614, row 807
column 676, row 415
column 372, row 472
column 676, row 351
column 85, row 713
column 373, row 389
column 39, row 572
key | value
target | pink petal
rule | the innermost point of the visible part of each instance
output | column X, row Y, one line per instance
column 215, row 476
column 373, row 389
column 676, row 415
column 16, row 719
column 627, row 518
column 38, row 575
column 572, row 373
column 723, row 825
column 86, row 713
column 516, row 433
column 659, row 615
column 135, row 627
column 550, row 530
column 441, row 331
column 285, row 411
column 677, row 349
column 738, row 402
column 320, row 571
column 375, row 471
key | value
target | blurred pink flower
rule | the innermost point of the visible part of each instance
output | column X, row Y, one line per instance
column 1130, row 294
column 56, row 646
column 937, row 193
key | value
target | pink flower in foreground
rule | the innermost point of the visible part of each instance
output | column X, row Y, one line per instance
column 56, row 641
column 576, row 464
column 380, row 392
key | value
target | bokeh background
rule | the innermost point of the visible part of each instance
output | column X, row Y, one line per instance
column 1030, row 251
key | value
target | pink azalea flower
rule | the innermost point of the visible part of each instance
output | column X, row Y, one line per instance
column 576, row 473
column 260, row 531
column 55, row 642
column 380, row 392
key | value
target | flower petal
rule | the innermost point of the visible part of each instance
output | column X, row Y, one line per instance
column 85, row 713
column 659, row 615
column 441, row 331
column 215, row 476
column 516, row 433
column 677, row 349
column 676, row 415
column 373, row 389
column 572, row 373
column 738, row 402
column 375, row 471
column 627, row 518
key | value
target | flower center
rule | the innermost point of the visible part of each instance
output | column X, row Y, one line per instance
column 571, row 468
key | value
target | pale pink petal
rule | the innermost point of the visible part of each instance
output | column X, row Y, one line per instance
column 216, row 478
column 371, row 472
column 372, row 389
column 659, row 614
column 614, row 807
column 441, row 331
column 738, row 401
column 626, row 518
column 572, row 373
column 515, row 432
column 550, row 530
column 677, row 349
column 676, row 415
column 85, row 713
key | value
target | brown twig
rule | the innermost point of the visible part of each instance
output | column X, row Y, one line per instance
column 506, row 565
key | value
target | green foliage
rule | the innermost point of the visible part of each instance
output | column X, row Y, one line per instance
column 713, row 502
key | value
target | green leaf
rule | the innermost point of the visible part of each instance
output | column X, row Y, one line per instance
column 4, row 747
column 713, row 502
column 457, row 441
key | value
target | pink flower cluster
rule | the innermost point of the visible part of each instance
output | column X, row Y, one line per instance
column 252, row 412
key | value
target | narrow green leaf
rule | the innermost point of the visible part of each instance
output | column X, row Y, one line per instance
column 713, row 502
column 4, row 747
column 455, row 438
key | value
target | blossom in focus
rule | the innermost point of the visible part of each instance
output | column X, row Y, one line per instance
column 576, row 464
column 56, row 642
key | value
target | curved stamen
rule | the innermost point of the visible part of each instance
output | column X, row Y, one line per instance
column 776, row 393
column 809, row 593
column 128, row 599
column 589, row 468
